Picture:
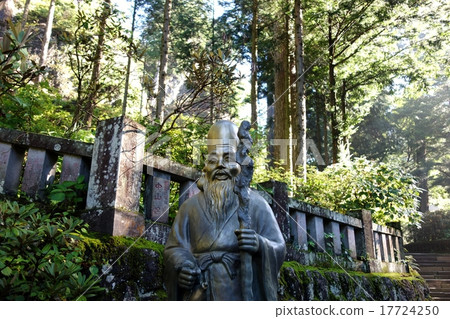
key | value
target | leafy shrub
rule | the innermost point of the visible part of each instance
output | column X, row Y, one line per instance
column 68, row 196
column 39, row 256
column 353, row 185
column 435, row 226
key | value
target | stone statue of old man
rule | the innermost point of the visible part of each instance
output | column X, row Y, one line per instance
column 203, row 252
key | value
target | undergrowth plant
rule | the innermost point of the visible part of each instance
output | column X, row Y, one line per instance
column 39, row 255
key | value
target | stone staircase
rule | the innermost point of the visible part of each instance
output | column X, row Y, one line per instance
column 435, row 269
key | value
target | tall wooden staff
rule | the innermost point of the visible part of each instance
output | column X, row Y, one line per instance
column 242, row 189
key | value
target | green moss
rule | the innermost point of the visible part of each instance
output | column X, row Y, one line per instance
column 105, row 246
column 341, row 284
column 323, row 271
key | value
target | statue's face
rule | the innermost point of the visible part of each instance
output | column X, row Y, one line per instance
column 221, row 164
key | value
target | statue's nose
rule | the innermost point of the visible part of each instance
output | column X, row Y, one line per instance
column 220, row 163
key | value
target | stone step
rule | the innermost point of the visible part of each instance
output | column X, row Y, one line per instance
column 440, row 294
column 434, row 268
column 438, row 283
column 434, row 263
column 431, row 258
column 435, row 274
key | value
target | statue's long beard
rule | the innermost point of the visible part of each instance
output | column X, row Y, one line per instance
column 220, row 200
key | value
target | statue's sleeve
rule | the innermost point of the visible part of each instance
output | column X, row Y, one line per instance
column 268, row 261
column 177, row 252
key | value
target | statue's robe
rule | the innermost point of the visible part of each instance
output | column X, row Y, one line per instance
column 214, row 249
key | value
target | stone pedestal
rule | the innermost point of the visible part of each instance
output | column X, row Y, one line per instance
column 116, row 178
column 39, row 172
column 11, row 160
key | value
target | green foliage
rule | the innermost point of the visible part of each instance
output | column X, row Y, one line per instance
column 435, row 226
column 68, row 195
column 182, row 140
column 39, row 256
column 16, row 68
column 35, row 108
column 386, row 190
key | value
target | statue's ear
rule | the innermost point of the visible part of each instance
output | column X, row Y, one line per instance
column 201, row 182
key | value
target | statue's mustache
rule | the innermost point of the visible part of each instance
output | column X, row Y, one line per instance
column 221, row 172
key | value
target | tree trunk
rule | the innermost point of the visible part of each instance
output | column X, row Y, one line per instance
column 332, row 92
column 281, row 104
column 326, row 155
column 7, row 12
column 301, row 98
column 270, row 120
column 421, row 158
column 47, row 35
column 163, row 61
column 127, row 77
column 95, row 77
column 318, row 134
column 26, row 9
column 254, row 69
column 343, row 108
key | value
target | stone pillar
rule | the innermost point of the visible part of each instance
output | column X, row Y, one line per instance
column 10, row 168
column 384, row 249
column 349, row 240
column 390, row 246
column 299, row 230
column 378, row 246
column 401, row 251
column 366, row 217
column 116, row 177
column 333, row 228
column 316, row 232
column 74, row 166
column 157, row 195
column 187, row 190
column 280, row 206
column 39, row 172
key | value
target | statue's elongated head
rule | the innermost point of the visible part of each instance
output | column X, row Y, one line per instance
column 222, row 146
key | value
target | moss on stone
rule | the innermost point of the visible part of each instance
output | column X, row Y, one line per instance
column 300, row 282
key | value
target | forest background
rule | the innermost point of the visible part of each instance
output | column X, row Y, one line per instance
column 348, row 100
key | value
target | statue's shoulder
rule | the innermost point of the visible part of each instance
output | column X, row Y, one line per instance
column 192, row 203
column 257, row 200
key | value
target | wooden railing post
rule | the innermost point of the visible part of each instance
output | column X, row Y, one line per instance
column 11, row 160
column 116, row 178
column 39, row 172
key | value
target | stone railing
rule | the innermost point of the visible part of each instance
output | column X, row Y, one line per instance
column 129, row 193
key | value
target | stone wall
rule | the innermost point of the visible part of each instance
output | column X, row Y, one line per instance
column 136, row 273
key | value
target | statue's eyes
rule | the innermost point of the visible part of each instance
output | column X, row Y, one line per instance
column 212, row 160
